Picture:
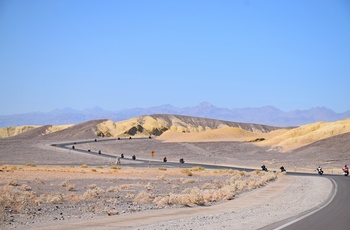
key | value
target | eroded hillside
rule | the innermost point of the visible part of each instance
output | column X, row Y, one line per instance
column 13, row 131
column 307, row 134
column 158, row 124
column 176, row 128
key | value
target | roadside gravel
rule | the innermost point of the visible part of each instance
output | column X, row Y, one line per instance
column 287, row 197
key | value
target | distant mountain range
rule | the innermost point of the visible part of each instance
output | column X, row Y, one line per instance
column 267, row 115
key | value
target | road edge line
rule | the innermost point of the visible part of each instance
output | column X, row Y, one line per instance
column 335, row 190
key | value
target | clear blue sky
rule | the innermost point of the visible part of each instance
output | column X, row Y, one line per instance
column 291, row 54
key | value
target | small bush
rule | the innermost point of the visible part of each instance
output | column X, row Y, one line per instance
column 92, row 193
column 92, row 186
column 124, row 186
column 70, row 187
column 199, row 168
column 84, row 166
column 187, row 172
column 113, row 189
column 114, row 167
column 13, row 183
column 162, row 168
column 142, row 197
column 149, row 186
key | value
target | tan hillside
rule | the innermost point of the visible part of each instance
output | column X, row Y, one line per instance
column 158, row 124
column 220, row 134
column 307, row 134
column 38, row 131
column 13, row 131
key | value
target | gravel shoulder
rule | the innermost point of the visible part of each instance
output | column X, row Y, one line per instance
column 283, row 199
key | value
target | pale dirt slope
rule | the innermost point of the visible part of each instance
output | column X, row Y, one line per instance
column 307, row 134
column 175, row 128
column 158, row 124
column 13, row 131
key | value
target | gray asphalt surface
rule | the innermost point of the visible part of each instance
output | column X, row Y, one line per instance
column 335, row 215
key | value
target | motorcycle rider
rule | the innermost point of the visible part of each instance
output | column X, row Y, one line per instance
column 283, row 169
column 263, row 167
column 319, row 170
column 346, row 170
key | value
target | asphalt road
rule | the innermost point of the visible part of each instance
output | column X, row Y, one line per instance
column 332, row 215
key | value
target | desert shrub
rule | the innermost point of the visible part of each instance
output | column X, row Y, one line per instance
column 216, row 191
column 257, row 171
column 99, row 167
column 113, row 189
column 190, row 196
column 257, row 139
column 187, row 172
column 14, row 199
column 142, row 197
column 13, row 183
column 25, row 187
column 31, row 165
column 14, row 168
column 130, row 196
column 124, row 186
column 188, row 181
column 208, row 186
column 64, row 183
column 68, row 186
column 54, row 198
column 93, row 170
column 161, row 177
column 111, row 212
column 114, row 167
column 91, row 186
column 199, row 168
column 162, row 168
column 84, row 166
column 92, row 193
column 175, row 186
column 72, row 198
column 149, row 186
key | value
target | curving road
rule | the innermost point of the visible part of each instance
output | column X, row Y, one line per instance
column 332, row 215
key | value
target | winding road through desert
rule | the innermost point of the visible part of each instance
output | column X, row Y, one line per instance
column 333, row 214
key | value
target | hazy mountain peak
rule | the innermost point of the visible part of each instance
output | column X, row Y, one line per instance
column 267, row 115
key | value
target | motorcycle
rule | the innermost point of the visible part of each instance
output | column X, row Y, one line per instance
column 319, row 170
column 283, row 169
column 263, row 168
column 345, row 172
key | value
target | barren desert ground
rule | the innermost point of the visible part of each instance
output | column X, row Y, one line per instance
column 46, row 187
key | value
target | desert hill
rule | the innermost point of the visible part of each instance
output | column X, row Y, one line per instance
column 337, row 147
column 307, row 134
column 177, row 128
column 283, row 139
column 159, row 123
column 13, row 131
column 83, row 130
